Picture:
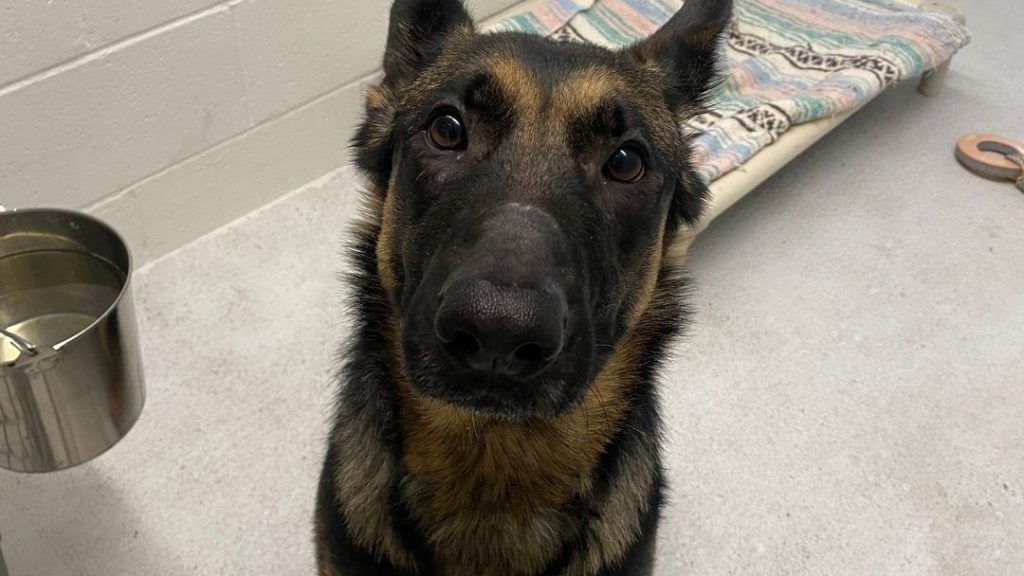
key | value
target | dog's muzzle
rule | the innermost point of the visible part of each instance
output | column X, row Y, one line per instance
column 503, row 310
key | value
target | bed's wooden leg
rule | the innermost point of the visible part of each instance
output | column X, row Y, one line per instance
column 933, row 80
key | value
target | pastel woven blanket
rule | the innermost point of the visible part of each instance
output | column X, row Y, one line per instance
column 789, row 61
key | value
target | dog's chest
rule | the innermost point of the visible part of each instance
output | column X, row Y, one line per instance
column 500, row 498
column 489, row 539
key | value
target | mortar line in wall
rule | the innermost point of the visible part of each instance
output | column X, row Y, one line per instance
column 243, row 69
column 227, row 142
column 110, row 48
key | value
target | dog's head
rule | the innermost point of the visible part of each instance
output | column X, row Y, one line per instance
column 527, row 192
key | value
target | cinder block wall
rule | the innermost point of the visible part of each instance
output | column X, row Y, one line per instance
column 171, row 118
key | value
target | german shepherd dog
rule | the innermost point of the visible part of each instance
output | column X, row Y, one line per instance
column 516, row 287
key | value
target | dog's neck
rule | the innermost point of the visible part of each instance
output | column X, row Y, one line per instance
column 481, row 485
column 520, row 466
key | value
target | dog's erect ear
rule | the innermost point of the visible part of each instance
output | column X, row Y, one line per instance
column 417, row 33
column 686, row 47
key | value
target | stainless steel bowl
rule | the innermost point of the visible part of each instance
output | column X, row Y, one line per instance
column 71, row 382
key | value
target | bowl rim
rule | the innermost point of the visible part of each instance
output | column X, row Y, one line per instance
column 122, row 295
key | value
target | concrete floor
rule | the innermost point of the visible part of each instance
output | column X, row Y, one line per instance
column 850, row 399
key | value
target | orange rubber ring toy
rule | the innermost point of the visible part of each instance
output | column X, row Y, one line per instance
column 974, row 151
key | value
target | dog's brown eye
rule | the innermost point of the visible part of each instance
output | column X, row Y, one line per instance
column 446, row 132
column 626, row 165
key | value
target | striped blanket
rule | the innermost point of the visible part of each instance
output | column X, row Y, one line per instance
column 789, row 61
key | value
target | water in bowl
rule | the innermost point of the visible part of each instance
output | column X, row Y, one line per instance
column 48, row 297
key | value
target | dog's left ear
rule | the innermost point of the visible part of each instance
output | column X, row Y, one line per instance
column 418, row 32
column 686, row 47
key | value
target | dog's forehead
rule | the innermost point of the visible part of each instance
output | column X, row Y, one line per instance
column 538, row 76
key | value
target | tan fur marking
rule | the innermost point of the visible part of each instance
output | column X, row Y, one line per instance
column 678, row 249
column 386, row 236
column 482, row 542
column 369, row 210
column 650, row 271
column 519, row 84
column 617, row 525
column 585, row 90
column 380, row 112
column 364, row 479
column 377, row 97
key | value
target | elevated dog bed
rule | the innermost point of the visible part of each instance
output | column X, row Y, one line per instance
column 796, row 69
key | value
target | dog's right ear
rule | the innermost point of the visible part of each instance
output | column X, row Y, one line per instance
column 418, row 32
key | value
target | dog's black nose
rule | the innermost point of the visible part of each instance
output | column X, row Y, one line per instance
column 504, row 330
